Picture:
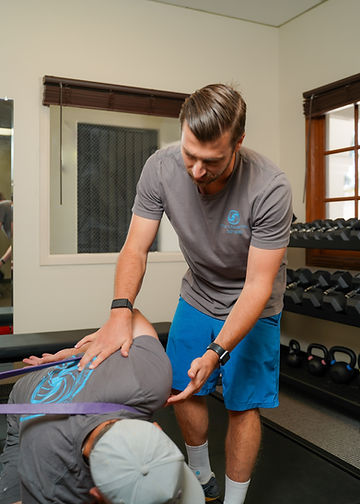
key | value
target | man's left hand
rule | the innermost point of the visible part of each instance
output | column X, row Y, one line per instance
column 200, row 370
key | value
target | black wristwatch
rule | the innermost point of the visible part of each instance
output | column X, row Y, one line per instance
column 223, row 354
column 121, row 303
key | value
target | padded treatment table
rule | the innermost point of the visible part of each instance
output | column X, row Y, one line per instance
column 15, row 347
column 288, row 471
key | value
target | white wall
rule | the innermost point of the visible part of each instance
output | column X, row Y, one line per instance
column 128, row 42
column 317, row 48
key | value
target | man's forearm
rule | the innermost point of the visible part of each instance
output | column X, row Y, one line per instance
column 129, row 274
column 244, row 315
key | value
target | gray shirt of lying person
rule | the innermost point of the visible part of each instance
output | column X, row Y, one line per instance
column 51, row 465
column 215, row 231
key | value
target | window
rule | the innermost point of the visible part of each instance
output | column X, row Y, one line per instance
column 332, row 186
column 100, row 138
column 109, row 163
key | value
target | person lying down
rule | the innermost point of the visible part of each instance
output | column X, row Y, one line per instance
column 119, row 457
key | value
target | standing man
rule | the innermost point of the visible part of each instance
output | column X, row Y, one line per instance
column 231, row 209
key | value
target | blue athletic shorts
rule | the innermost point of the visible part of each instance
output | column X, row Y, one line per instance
column 250, row 379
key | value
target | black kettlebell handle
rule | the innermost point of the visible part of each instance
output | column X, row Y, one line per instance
column 294, row 346
column 344, row 350
column 323, row 348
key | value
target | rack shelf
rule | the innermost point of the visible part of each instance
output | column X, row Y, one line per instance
column 341, row 318
column 335, row 244
column 343, row 396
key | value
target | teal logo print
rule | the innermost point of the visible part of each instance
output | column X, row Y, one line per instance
column 233, row 225
column 233, row 217
column 61, row 384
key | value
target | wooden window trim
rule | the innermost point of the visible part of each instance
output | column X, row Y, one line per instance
column 316, row 103
column 97, row 95
column 337, row 94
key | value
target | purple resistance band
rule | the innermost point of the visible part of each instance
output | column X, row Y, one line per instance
column 75, row 408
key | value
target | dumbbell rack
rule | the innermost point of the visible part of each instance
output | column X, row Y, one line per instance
column 345, row 396
column 335, row 244
column 341, row 318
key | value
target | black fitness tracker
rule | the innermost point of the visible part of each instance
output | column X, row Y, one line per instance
column 224, row 355
column 121, row 303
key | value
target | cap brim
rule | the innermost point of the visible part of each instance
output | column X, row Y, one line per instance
column 192, row 490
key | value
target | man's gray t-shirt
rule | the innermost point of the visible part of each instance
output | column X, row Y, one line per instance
column 215, row 231
column 51, row 466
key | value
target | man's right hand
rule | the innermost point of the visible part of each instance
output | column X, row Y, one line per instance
column 115, row 334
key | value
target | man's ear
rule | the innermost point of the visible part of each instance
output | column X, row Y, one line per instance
column 94, row 492
column 239, row 142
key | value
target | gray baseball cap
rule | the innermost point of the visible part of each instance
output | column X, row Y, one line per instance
column 135, row 462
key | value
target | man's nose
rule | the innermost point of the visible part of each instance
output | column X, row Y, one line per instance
column 198, row 169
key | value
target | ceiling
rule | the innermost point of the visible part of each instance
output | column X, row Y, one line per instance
column 268, row 12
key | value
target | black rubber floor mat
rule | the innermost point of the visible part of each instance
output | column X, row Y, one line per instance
column 287, row 472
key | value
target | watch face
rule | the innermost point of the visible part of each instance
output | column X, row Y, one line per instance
column 224, row 358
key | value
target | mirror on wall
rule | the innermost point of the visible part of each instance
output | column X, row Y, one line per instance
column 96, row 158
column 6, row 213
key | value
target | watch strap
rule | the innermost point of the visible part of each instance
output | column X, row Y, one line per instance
column 223, row 354
column 121, row 303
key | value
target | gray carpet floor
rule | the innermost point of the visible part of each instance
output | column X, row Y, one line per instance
column 331, row 430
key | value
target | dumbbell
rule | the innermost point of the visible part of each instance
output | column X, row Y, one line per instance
column 340, row 371
column 349, row 302
column 311, row 230
column 346, row 230
column 293, row 358
column 353, row 298
column 290, row 276
column 355, row 230
column 294, row 289
column 315, row 364
column 337, row 225
column 312, row 295
column 300, row 230
column 325, row 227
column 333, row 299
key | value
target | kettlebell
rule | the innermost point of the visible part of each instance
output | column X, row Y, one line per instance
column 317, row 365
column 294, row 356
column 342, row 372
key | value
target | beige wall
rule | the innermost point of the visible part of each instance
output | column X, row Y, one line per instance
column 128, row 42
column 315, row 49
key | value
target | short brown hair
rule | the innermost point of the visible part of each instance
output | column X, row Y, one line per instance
column 212, row 110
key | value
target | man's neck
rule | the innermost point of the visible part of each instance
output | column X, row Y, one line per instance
column 94, row 435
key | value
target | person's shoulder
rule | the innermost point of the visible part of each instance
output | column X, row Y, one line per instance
column 171, row 152
column 257, row 160
column 164, row 163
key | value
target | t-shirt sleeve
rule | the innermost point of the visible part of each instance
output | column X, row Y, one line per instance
column 272, row 211
column 148, row 201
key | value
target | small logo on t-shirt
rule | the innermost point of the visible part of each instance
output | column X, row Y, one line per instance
column 232, row 225
column 233, row 217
